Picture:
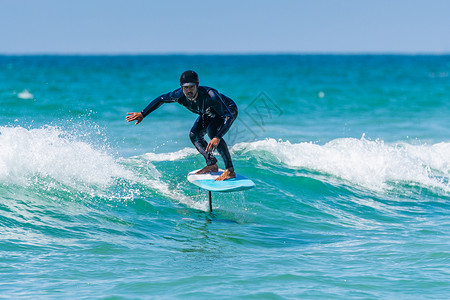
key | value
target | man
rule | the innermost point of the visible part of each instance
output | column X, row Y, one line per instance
column 216, row 114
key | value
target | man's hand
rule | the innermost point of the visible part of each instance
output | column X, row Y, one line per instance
column 212, row 145
column 135, row 116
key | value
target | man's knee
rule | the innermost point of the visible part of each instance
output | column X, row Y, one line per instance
column 194, row 136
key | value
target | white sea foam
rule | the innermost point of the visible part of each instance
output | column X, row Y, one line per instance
column 28, row 156
column 175, row 194
column 174, row 156
column 372, row 164
column 51, row 152
column 25, row 95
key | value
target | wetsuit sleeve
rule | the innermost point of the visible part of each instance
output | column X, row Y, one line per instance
column 166, row 98
column 219, row 106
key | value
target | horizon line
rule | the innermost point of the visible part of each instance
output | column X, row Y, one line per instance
column 243, row 53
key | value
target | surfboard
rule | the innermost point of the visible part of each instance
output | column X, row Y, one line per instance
column 207, row 182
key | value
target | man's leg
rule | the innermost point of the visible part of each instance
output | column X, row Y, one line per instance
column 222, row 148
column 196, row 135
column 228, row 173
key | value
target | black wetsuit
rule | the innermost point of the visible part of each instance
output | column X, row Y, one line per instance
column 217, row 113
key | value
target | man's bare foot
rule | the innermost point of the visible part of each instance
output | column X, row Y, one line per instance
column 227, row 174
column 209, row 169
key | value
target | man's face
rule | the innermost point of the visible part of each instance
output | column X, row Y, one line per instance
column 190, row 91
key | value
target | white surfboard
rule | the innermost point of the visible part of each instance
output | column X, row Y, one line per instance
column 207, row 182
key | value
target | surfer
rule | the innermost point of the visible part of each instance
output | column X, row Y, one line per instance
column 216, row 114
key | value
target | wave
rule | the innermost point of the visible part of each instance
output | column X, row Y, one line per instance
column 171, row 156
column 52, row 152
column 375, row 165
column 50, row 159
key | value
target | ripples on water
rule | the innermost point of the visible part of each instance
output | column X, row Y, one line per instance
column 91, row 207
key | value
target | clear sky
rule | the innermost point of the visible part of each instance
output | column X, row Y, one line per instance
column 231, row 26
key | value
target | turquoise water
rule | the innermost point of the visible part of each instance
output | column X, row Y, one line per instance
column 350, row 156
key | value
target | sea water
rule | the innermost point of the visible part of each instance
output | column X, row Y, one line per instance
column 350, row 155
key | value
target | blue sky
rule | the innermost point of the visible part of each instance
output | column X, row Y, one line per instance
column 244, row 26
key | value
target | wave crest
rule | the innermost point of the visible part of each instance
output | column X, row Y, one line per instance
column 51, row 152
column 372, row 164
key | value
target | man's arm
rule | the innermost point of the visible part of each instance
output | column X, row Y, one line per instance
column 166, row 98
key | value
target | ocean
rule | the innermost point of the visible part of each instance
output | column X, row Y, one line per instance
column 350, row 155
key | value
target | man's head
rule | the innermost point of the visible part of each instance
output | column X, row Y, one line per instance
column 189, row 83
